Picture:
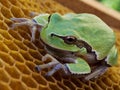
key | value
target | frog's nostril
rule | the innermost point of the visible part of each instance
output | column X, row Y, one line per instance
column 52, row 34
column 37, row 68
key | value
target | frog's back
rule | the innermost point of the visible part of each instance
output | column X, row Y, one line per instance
column 95, row 32
column 87, row 27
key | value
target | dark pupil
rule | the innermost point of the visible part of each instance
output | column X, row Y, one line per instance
column 70, row 40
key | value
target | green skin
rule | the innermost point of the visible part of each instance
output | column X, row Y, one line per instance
column 81, row 45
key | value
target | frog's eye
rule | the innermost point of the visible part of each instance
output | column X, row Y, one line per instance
column 67, row 39
column 70, row 39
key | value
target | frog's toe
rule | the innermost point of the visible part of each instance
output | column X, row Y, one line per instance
column 47, row 56
column 19, row 19
column 11, row 27
column 55, row 69
column 37, row 68
column 50, row 73
column 13, row 19
column 51, row 58
column 33, row 14
column 33, row 30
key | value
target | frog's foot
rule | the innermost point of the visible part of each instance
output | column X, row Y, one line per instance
column 19, row 22
column 54, row 63
column 33, row 26
column 96, row 73
column 33, row 14
column 19, row 19
column 56, row 68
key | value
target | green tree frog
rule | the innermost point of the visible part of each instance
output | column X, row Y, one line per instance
column 81, row 45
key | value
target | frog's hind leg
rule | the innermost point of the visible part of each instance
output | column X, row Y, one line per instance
column 97, row 72
column 56, row 68
column 47, row 65
column 54, row 63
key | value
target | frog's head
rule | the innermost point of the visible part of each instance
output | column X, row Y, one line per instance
column 60, row 34
column 74, row 42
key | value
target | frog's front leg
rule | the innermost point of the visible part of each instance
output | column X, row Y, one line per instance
column 26, row 22
column 54, row 63
column 19, row 22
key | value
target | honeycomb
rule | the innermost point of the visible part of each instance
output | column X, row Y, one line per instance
column 18, row 55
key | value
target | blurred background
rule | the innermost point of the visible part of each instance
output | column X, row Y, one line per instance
column 114, row 4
